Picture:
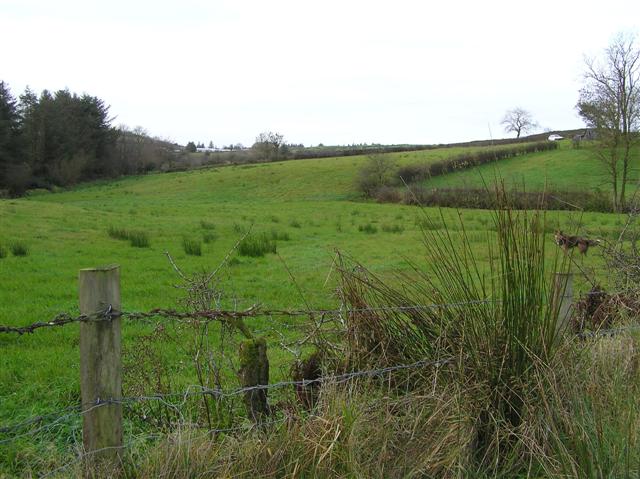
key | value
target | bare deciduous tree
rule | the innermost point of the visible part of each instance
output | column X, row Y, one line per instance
column 269, row 146
column 518, row 121
column 610, row 103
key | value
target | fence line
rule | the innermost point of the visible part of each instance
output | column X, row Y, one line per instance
column 218, row 393
column 254, row 311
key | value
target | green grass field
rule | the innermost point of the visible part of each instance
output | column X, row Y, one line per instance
column 566, row 169
column 312, row 202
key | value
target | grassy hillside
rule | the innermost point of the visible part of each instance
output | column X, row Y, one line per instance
column 566, row 169
column 314, row 202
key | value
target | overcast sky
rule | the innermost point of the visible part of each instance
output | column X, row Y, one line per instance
column 332, row 72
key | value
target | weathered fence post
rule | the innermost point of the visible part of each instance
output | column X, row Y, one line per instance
column 100, row 365
column 563, row 299
column 254, row 371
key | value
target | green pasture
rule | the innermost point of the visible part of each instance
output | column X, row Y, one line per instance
column 565, row 169
column 313, row 202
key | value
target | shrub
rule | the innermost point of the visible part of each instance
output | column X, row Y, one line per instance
column 118, row 233
column 192, row 246
column 368, row 228
column 256, row 246
column 139, row 239
column 18, row 248
column 378, row 171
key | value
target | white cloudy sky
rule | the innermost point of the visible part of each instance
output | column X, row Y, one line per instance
column 335, row 72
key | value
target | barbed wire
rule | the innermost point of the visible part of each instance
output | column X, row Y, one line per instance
column 255, row 311
column 218, row 314
column 218, row 393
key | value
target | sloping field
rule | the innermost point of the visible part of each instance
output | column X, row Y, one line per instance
column 566, row 169
column 312, row 205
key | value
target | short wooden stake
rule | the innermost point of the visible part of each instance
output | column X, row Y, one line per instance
column 254, row 371
column 100, row 367
column 563, row 299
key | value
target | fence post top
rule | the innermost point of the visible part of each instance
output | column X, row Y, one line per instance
column 98, row 269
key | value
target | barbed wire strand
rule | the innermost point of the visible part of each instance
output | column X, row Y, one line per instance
column 219, row 393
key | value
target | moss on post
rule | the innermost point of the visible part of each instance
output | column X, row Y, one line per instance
column 254, row 371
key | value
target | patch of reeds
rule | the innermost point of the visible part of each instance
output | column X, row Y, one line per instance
column 19, row 248
column 257, row 245
column 368, row 228
column 192, row 246
column 139, row 239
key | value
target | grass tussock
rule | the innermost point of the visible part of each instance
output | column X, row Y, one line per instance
column 19, row 248
column 3, row 251
column 207, row 225
column 256, row 246
column 139, row 239
column 118, row 233
column 136, row 238
column 192, row 246
column 349, row 435
column 368, row 228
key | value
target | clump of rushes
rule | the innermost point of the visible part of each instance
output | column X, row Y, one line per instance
column 256, row 246
column 368, row 228
column 139, row 239
column 192, row 246
column 18, row 248
column 3, row 252
column 118, row 233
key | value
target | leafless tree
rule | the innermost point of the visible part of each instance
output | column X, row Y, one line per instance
column 269, row 146
column 518, row 121
column 610, row 103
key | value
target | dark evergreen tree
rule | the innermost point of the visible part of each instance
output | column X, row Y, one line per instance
column 13, row 174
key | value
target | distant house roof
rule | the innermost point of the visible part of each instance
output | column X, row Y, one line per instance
column 555, row 137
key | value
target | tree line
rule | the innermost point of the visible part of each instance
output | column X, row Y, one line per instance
column 59, row 138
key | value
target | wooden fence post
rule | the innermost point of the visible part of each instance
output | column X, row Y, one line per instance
column 563, row 298
column 100, row 365
column 254, row 371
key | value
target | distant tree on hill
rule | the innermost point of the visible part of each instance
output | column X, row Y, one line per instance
column 191, row 147
column 269, row 146
column 518, row 121
column 211, row 145
column 378, row 171
column 609, row 102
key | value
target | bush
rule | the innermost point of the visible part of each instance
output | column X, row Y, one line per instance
column 18, row 248
column 139, row 239
column 192, row 246
column 256, row 246
column 486, row 199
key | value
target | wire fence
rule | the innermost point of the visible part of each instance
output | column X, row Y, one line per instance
column 64, row 417
column 48, row 421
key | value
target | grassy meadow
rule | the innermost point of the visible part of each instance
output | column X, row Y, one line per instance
column 310, row 207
